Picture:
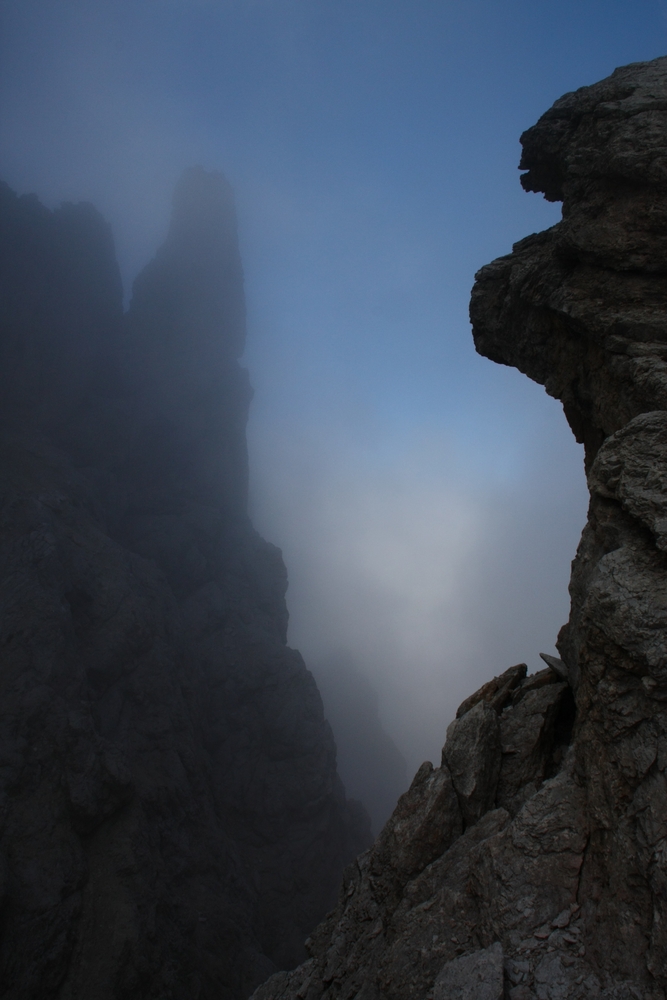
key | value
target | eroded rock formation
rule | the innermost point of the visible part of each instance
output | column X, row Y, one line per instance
column 171, row 821
column 532, row 863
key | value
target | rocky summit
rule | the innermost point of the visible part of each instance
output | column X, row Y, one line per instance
column 171, row 821
column 531, row 864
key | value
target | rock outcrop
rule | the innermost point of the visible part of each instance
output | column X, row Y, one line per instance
column 532, row 864
column 171, row 820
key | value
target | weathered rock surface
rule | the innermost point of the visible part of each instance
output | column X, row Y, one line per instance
column 472, row 753
column 557, row 854
column 171, row 821
column 477, row 976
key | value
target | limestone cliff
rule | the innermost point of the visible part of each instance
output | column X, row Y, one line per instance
column 171, row 820
column 532, row 863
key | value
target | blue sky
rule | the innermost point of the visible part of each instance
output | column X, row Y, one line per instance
column 427, row 501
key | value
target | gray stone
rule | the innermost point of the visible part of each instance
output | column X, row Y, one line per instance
column 557, row 665
column 425, row 822
column 521, row 993
column 472, row 753
column 478, row 976
column 530, row 742
column 495, row 692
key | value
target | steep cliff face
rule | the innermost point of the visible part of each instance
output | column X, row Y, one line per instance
column 533, row 862
column 171, row 820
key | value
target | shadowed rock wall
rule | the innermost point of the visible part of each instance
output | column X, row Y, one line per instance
column 532, row 863
column 171, row 820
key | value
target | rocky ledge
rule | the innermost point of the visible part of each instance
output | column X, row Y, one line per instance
column 532, row 863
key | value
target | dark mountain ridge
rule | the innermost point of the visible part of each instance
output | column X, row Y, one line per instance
column 171, row 819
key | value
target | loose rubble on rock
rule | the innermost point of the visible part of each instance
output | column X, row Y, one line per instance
column 171, row 820
column 532, row 863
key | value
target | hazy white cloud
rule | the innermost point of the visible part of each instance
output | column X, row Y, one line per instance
column 433, row 579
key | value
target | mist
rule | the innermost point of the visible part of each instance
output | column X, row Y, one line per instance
column 428, row 503
column 435, row 575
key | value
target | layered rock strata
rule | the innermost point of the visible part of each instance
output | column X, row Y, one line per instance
column 171, row 820
column 532, row 863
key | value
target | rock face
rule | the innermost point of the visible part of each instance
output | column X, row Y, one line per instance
column 541, row 841
column 171, row 820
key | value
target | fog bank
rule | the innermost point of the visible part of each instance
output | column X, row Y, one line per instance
column 434, row 580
